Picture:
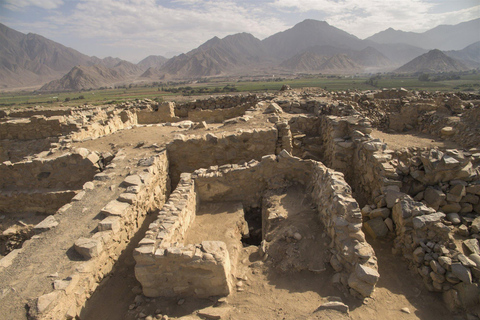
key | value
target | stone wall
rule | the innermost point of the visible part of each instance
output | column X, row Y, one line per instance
column 354, row 259
column 213, row 103
column 421, row 168
column 436, row 230
column 27, row 112
column 44, row 185
column 17, row 150
column 104, row 123
column 144, row 191
column 462, row 128
column 166, row 268
column 65, row 172
column 37, row 127
column 156, row 256
column 165, row 113
column 343, row 143
column 217, row 115
column 188, row 153
column 34, row 202
column 444, row 263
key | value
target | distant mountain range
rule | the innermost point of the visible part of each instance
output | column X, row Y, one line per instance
column 442, row 37
column 30, row 60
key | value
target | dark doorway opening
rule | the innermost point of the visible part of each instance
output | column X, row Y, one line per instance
column 253, row 216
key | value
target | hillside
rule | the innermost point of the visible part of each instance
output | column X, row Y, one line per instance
column 304, row 62
column 432, row 62
column 470, row 55
column 371, row 58
column 342, row 60
column 398, row 53
column 444, row 37
column 309, row 46
column 152, row 62
column 30, row 59
column 82, row 78
column 216, row 57
column 108, row 62
column 307, row 34
column 340, row 64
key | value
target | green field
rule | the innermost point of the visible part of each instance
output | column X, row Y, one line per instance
column 462, row 82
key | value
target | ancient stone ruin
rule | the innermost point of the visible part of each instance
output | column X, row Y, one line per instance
column 295, row 182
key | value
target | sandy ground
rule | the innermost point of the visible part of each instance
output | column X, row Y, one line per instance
column 396, row 141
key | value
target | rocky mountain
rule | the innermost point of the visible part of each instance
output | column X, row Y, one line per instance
column 432, row 62
column 152, row 62
column 217, row 57
column 327, row 59
column 91, row 77
column 469, row 55
column 340, row 64
column 307, row 34
column 304, row 62
column 29, row 59
column 309, row 46
column 398, row 53
column 297, row 49
column 443, row 37
column 126, row 68
column 371, row 58
column 108, row 62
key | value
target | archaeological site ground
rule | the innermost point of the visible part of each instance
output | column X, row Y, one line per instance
column 297, row 204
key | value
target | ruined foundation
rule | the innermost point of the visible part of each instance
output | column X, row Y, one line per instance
column 283, row 174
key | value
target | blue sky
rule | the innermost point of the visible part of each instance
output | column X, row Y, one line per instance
column 134, row 29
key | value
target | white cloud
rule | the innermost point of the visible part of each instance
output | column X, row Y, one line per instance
column 364, row 18
column 146, row 25
column 17, row 5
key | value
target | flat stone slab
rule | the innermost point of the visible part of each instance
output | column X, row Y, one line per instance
column 48, row 223
column 110, row 223
column 88, row 248
column 79, row 196
column 127, row 197
column 7, row 261
column 115, row 208
column 376, row 228
column 421, row 221
column 132, row 180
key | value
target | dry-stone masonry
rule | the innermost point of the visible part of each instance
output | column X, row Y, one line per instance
column 426, row 200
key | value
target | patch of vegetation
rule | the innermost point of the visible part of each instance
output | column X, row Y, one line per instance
column 461, row 81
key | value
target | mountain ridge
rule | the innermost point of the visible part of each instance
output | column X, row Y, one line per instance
column 442, row 37
column 433, row 61
column 309, row 46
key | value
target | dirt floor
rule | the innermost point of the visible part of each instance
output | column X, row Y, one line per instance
column 264, row 289
column 396, row 141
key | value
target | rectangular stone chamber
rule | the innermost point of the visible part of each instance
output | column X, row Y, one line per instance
column 179, row 252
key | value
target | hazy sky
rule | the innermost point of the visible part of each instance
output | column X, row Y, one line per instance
column 134, row 29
